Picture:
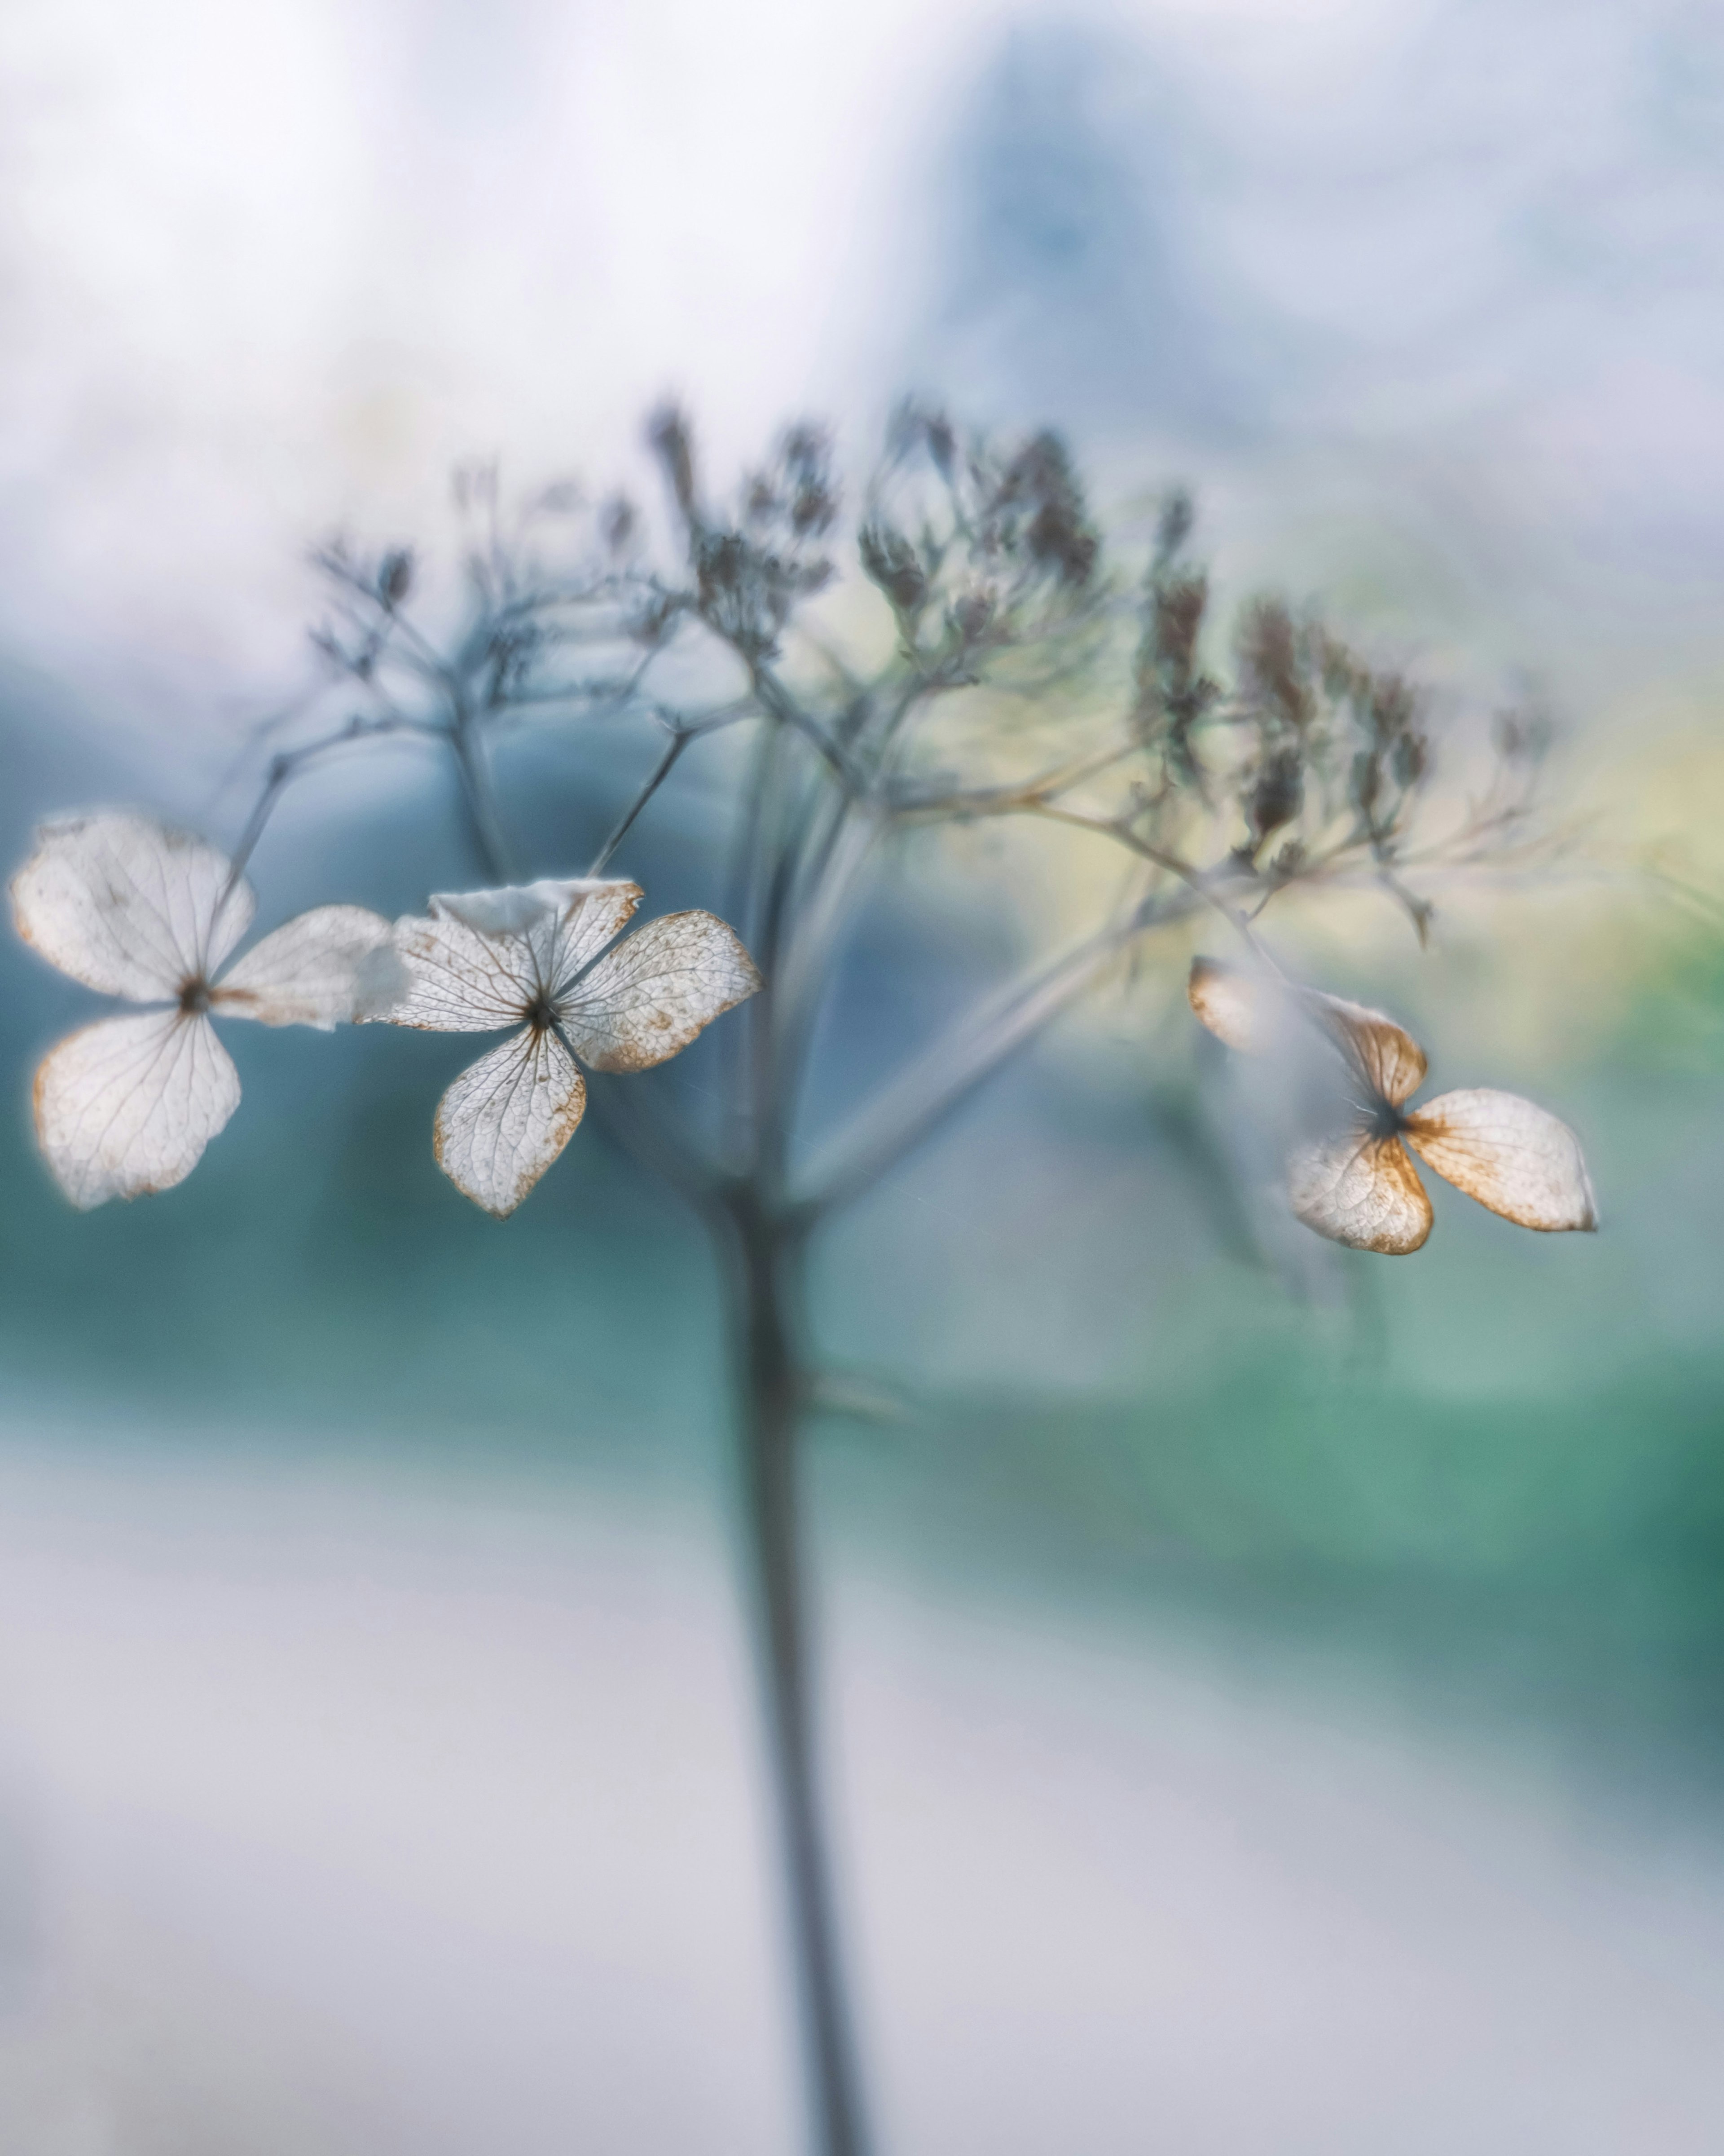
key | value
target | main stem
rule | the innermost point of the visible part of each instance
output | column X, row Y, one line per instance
column 767, row 1269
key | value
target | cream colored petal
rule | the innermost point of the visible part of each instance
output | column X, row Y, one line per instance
column 564, row 924
column 1509, row 1154
column 1240, row 1009
column 651, row 995
column 1250, row 1012
column 507, row 1117
column 126, row 905
column 460, row 979
column 1362, row 1191
column 1391, row 1060
column 592, row 914
column 128, row 1105
column 329, row 966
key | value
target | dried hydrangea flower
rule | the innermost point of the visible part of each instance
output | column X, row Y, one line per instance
column 1358, row 1185
column 130, row 907
column 529, row 957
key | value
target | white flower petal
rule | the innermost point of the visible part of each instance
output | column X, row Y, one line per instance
column 507, row 1117
column 515, row 910
column 126, row 905
column 461, row 980
column 1239, row 1008
column 591, row 915
column 1511, row 1155
column 1362, row 1191
column 564, row 924
column 650, row 996
column 128, row 1105
column 1250, row 1012
column 326, row 968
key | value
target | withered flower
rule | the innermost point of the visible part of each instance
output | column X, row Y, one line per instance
column 1358, row 1185
column 534, row 957
column 136, row 910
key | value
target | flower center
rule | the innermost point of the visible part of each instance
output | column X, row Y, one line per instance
column 541, row 1013
column 1383, row 1119
column 194, row 997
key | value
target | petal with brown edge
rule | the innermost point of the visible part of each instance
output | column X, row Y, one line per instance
column 460, row 979
column 648, row 997
column 127, row 906
column 1390, row 1060
column 594, row 913
column 1250, row 1011
column 1362, row 1191
column 506, row 1118
column 327, row 968
column 1512, row 1155
column 1238, row 1007
column 127, row 1106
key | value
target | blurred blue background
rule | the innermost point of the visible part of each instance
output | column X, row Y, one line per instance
column 1276, row 1693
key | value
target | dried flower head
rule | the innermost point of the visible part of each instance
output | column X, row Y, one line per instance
column 136, row 910
column 1358, row 1185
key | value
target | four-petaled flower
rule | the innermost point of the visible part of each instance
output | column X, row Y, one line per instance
column 130, row 907
column 1358, row 1185
column 530, row 957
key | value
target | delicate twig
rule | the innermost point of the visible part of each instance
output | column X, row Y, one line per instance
column 661, row 771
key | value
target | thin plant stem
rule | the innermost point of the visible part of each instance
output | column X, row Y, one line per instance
column 766, row 1274
column 661, row 771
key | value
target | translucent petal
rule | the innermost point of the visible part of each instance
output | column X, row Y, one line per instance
column 563, row 925
column 592, row 915
column 1362, row 1191
column 460, row 979
column 507, row 1117
column 1240, row 1009
column 1250, row 1011
column 1511, row 1155
column 651, row 995
column 128, row 1105
column 1391, row 1060
column 513, row 911
column 126, row 905
column 326, row 968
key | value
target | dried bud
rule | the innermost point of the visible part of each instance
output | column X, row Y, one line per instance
column 1343, row 677
column 1411, row 759
column 395, row 576
column 1173, row 527
column 671, row 442
column 1393, row 706
column 1277, row 794
column 722, row 564
column 1270, row 660
column 1289, row 860
column 1176, row 611
column 890, row 562
column 617, row 522
column 1061, row 540
column 973, row 615
column 1057, row 530
column 812, row 511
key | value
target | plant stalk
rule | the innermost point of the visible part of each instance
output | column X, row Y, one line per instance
column 766, row 1261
